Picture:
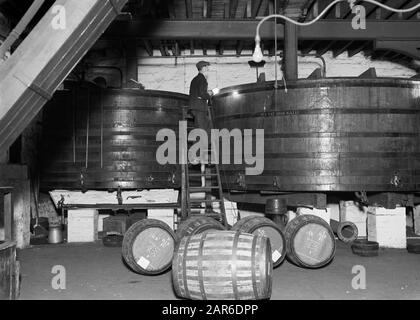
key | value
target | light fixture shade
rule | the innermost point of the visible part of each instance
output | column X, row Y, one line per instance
column 258, row 55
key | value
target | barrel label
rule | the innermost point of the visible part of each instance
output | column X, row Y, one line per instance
column 143, row 262
column 276, row 255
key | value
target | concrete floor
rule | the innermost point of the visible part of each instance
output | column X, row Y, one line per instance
column 97, row 272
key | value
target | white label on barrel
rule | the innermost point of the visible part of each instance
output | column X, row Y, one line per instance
column 276, row 255
column 143, row 262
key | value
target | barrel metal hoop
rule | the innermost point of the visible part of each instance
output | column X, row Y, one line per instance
column 184, row 268
column 233, row 268
column 200, row 266
column 253, row 273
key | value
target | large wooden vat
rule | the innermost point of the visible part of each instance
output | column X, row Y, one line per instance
column 335, row 134
column 223, row 265
column 106, row 138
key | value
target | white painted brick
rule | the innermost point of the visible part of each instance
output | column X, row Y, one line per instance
column 324, row 214
column 163, row 74
column 334, row 209
column 387, row 227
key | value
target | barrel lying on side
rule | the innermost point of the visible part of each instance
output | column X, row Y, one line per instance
column 223, row 265
column 197, row 224
column 265, row 227
column 310, row 242
column 148, row 247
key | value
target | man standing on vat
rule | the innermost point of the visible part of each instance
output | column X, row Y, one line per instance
column 199, row 96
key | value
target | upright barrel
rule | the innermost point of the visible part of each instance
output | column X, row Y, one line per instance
column 310, row 242
column 197, row 224
column 148, row 247
column 265, row 227
column 223, row 265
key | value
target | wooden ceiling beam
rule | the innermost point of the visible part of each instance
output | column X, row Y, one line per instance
column 220, row 48
column 189, row 9
column 148, row 46
column 256, row 5
column 326, row 48
column 309, row 48
column 245, row 30
column 341, row 50
column 192, row 50
column 401, row 4
column 356, row 50
column 209, row 6
column 233, row 7
column 239, row 47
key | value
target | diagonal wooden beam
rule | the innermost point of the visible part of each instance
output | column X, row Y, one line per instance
column 45, row 58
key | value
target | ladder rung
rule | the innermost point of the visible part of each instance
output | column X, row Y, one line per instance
column 203, row 174
column 204, row 188
column 210, row 215
column 205, row 201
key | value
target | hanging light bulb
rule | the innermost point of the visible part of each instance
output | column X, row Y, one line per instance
column 258, row 55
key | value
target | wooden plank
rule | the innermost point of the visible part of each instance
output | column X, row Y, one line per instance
column 245, row 30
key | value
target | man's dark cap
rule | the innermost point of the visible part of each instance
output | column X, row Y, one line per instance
column 202, row 64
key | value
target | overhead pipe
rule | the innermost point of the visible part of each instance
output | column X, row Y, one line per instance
column 20, row 28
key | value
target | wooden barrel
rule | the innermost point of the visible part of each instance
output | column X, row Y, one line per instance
column 223, row 265
column 148, row 247
column 9, row 271
column 310, row 242
column 106, row 138
column 333, row 134
column 265, row 227
column 197, row 224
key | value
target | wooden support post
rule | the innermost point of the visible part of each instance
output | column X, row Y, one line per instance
column 291, row 51
column 8, row 216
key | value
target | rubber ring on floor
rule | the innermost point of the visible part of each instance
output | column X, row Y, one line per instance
column 365, row 248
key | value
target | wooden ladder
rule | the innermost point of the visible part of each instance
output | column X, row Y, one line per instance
column 209, row 183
